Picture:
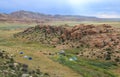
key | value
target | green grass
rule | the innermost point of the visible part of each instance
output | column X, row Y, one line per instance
column 83, row 67
column 88, row 68
column 103, row 65
column 14, row 26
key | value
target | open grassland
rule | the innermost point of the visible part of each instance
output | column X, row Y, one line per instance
column 14, row 46
column 53, row 65
column 72, row 23
column 14, row 26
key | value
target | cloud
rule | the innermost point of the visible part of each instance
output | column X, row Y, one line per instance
column 108, row 15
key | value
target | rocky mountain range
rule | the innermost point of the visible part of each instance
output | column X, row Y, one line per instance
column 27, row 16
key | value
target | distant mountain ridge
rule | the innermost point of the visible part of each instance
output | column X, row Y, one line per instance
column 28, row 16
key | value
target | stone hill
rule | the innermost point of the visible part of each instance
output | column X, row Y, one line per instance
column 104, row 38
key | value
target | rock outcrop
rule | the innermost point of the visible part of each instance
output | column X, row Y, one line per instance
column 93, row 36
column 103, row 37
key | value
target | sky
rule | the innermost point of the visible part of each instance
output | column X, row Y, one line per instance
column 98, row 8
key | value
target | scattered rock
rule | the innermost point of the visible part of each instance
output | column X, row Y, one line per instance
column 8, row 67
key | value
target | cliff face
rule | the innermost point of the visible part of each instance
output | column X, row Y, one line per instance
column 103, row 37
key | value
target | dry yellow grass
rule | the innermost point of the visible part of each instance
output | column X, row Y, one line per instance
column 39, row 60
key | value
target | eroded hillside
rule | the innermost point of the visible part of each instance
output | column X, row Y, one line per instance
column 99, row 41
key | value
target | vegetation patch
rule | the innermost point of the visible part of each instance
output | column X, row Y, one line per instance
column 85, row 67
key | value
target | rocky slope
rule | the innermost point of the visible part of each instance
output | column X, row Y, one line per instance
column 10, row 68
column 102, row 41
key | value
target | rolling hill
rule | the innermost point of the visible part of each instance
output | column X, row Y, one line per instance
column 27, row 16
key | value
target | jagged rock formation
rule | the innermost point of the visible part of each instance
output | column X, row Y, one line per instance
column 103, row 37
column 10, row 68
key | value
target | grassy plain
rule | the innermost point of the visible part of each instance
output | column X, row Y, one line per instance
column 72, row 23
column 81, row 68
